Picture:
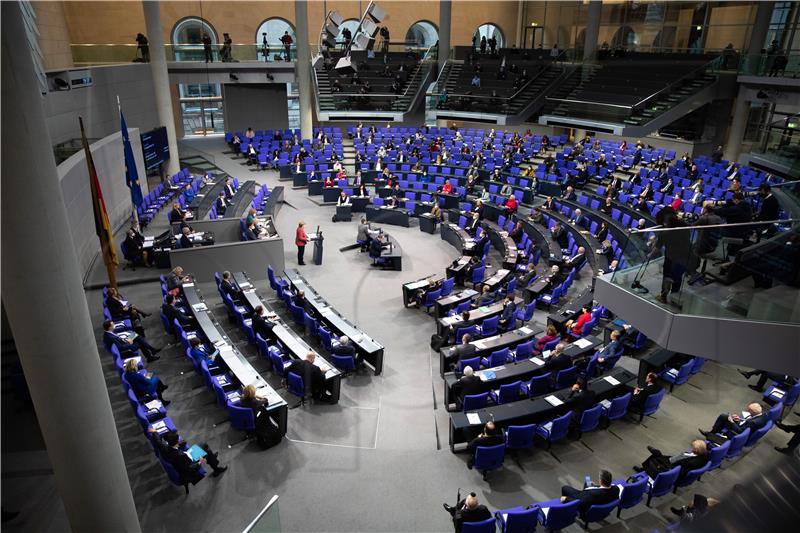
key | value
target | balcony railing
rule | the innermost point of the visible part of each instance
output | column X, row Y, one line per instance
column 107, row 54
column 771, row 65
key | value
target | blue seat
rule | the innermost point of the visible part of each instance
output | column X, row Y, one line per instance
column 778, row 394
column 520, row 437
column 517, row 519
column 310, row 324
column 506, row 393
column 279, row 365
column 774, row 414
column 488, row 458
column 591, row 368
column 472, row 330
column 677, row 376
column 717, row 454
column 325, row 338
column 597, row 512
column 632, row 492
column 489, row 326
column 538, row 385
column 566, row 377
column 344, row 362
column 484, row 526
column 430, row 299
column 651, row 404
column 473, row 402
column 589, row 420
column 447, row 286
column 737, row 443
column 756, row 435
column 662, row 484
column 697, row 365
column 559, row 515
column 477, row 275
column 526, row 313
column 242, row 418
column 523, row 351
column 296, row 386
column 474, row 362
column 691, row 476
column 497, row 358
column 618, row 407
column 555, row 430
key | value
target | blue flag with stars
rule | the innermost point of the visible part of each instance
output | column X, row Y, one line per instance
column 131, row 174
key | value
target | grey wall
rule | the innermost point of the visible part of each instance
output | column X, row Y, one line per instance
column 251, row 256
column 259, row 106
column 98, row 104
column 74, row 177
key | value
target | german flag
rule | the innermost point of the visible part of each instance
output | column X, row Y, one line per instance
column 101, row 224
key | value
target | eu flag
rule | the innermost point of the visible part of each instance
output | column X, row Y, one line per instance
column 131, row 174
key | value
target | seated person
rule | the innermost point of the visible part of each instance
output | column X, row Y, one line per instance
column 785, row 381
column 490, row 436
column 175, row 280
column 133, row 249
column 606, row 250
column 579, row 219
column 640, row 394
column 128, row 342
column 608, row 355
column 507, row 318
column 447, row 188
column 576, row 260
column 465, row 350
column 467, row 510
column 733, row 424
column 144, row 385
column 580, row 399
column 550, row 334
column 608, row 205
column 299, row 299
column 253, row 233
column 516, row 233
column 486, row 297
column 262, row 326
column 528, row 276
column 436, row 212
column 186, row 241
column 343, row 199
column 188, row 193
column 473, row 224
column 574, row 326
column 173, row 451
column 222, row 204
column 559, row 234
column 592, row 494
column 176, row 213
column 312, row 375
column 229, row 188
column 229, row 287
column 173, row 312
column 558, row 360
column 691, row 460
column 467, row 385
column 569, row 194
column 200, row 352
column 511, row 204
column 345, row 347
column 377, row 245
column 392, row 202
column 550, row 204
column 119, row 308
column 362, row 191
column 536, row 216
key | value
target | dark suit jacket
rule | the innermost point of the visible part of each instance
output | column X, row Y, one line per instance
column 574, row 261
column 463, row 514
column 508, row 312
column 186, row 468
column 557, row 363
column 467, row 386
column 172, row 312
column 689, row 462
column 344, row 349
column 596, row 496
column 115, row 307
column 229, row 288
column 560, row 236
column 581, row 401
column 140, row 384
column 313, row 378
column 490, row 440
column 173, row 281
column 110, row 339
column 525, row 279
column 637, row 400
column 754, row 423
column 222, row 205
column 186, row 242
column 262, row 327
column 464, row 351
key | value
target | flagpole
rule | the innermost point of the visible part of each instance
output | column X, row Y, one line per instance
column 105, row 246
column 135, row 214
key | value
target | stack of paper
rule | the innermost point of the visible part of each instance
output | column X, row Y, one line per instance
column 554, row 401
column 537, row 361
column 200, row 307
column 612, row 380
column 583, row 343
column 473, row 418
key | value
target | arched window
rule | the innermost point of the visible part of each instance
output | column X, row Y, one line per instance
column 422, row 34
column 625, row 37
column 187, row 39
column 350, row 24
column 489, row 30
column 275, row 29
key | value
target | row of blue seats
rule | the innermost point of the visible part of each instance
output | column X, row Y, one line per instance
column 160, row 196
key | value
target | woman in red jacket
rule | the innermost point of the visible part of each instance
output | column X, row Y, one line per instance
column 549, row 336
column 300, row 239
column 511, row 205
column 576, row 327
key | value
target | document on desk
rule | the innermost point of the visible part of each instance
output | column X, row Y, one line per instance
column 244, row 286
column 525, row 330
column 487, row 375
column 582, row 343
column 612, row 380
column 553, row 400
column 473, row 418
column 479, row 345
column 219, row 343
column 155, row 404
column 538, row 361
column 200, row 307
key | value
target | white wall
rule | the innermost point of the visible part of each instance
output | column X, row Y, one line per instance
column 98, row 104
column 74, row 176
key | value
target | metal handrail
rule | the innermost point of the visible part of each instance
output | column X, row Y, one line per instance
column 573, row 101
column 658, row 229
column 679, row 80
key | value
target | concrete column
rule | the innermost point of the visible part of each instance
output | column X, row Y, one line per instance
column 592, row 29
column 736, row 134
column 158, row 64
column 444, row 31
column 302, row 68
column 760, row 27
column 47, row 310
column 520, row 23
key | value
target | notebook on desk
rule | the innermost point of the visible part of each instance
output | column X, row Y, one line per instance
column 195, row 453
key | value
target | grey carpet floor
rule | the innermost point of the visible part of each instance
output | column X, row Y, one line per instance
column 379, row 460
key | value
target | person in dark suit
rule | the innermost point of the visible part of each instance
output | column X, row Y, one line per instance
column 558, row 360
column 313, row 377
column 465, row 350
column 507, row 320
column 186, row 242
column 299, row 299
column 528, row 276
column 770, row 209
column 467, row 510
column 229, row 189
column 260, row 325
column 133, row 249
column 735, row 424
column 592, row 494
column 486, row 297
column 640, row 394
column 490, row 436
column 128, row 343
column 569, row 194
column 345, row 347
column 469, row 384
column 176, row 214
column 784, row 380
column 171, row 450
column 575, row 260
column 144, row 385
column 608, row 355
column 222, row 204
column 172, row 312
column 473, row 224
column 174, row 280
column 580, row 399
column 657, row 463
column 579, row 219
column 559, row 235
column 120, row 309
column 229, row 287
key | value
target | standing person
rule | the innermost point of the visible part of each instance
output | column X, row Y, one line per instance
column 483, row 45
column 143, row 46
column 301, row 239
column 226, row 54
column 287, row 45
column 207, row 48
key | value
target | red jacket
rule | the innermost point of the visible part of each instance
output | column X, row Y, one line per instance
column 511, row 203
column 300, row 237
column 578, row 326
